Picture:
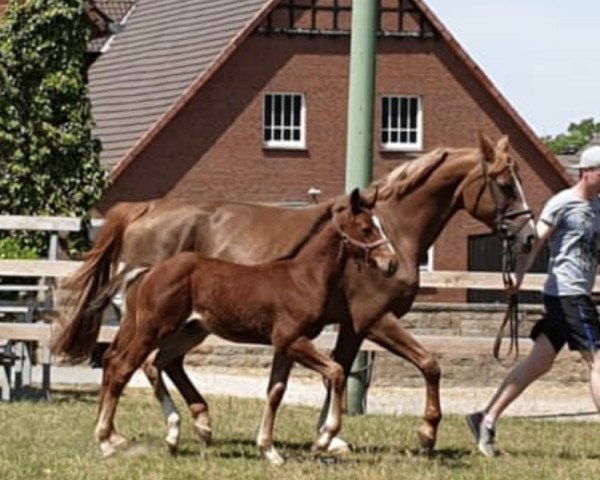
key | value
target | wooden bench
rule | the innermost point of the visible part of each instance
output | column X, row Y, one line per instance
column 17, row 351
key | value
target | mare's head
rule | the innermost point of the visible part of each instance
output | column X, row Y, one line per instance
column 362, row 233
column 492, row 193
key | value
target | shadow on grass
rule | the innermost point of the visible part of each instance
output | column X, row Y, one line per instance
column 78, row 395
column 556, row 416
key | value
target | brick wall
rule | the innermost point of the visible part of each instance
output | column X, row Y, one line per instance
column 212, row 149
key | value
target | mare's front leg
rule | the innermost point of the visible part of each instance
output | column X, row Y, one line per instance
column 161, row 393
column 303, row 351
column 280, row 372
column 389, row 333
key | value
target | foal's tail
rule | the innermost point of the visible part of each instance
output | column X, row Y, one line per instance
column 82, row 317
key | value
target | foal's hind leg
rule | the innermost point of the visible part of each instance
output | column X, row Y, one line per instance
column 118, row 369
column 303, row 351
column 170, row 359
column 280, row 372
column 388, row 333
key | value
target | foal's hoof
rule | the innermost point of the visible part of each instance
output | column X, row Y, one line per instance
column 338, row 446
column 110, row 447
column 272, row 456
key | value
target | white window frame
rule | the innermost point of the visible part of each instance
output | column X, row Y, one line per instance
column 428, row 265
column 278, row 124
column 398, row 130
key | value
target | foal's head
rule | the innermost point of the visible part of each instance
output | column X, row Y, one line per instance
column 362, row 233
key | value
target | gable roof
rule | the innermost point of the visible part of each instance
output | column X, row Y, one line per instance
column 166, row 48
column 171, row 48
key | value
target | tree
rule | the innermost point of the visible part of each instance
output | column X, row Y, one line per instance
column 49, row 160
column 578, row 135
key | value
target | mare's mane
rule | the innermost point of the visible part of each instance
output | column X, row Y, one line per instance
column 409, row 175
column 317, row 225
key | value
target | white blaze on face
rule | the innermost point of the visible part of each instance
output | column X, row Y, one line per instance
column 521, row 196
column 377, row 224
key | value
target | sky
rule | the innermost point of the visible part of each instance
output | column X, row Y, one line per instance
column 543, row 55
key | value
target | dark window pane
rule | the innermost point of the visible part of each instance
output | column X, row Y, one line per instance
column 394, row 135
column 297, row 109
column 384, row 113
column 296, row 133
column 267, row 134
column 268, row 109
column 384, row 136
column 287, row 110
column 287, row 134
column 394, row 102
column 412, row 137
column 403, row 111
column 403, row 137
column 277, row 109
column 277, row 134
column 413, row 112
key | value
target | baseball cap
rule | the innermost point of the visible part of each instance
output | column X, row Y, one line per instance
column 589, row 158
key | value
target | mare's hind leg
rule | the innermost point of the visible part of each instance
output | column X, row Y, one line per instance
column 344, row 352
column 170, row 359
column 119, row 366
column 303, row 351
column 388, row 333
column 170, row 412
column 280, row 372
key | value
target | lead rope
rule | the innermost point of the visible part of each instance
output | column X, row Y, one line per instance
column 512, row 315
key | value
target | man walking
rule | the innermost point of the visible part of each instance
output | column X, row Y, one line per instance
column 570, row 223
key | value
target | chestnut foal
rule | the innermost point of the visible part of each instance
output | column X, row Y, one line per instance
column 186, row 297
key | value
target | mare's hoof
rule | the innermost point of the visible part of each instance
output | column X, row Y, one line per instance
column 204, row 434
column 426, row 439
column 173, row 432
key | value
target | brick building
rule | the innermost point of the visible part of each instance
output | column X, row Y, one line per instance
column 247, row 100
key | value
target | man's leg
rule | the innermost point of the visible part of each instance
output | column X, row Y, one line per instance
column 538, row 362
column 593, row 361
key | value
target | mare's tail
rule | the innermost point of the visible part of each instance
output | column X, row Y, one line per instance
column 82, row 318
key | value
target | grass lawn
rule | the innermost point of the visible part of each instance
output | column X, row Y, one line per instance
column 54, row 440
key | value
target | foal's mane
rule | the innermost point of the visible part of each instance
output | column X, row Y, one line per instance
column 409, row 175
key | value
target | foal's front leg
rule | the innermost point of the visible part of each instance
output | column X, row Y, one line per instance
column 303, row 351
column 280, row 372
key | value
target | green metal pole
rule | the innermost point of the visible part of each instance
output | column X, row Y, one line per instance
column 359, row 148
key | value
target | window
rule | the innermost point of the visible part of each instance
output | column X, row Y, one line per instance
column 426, row 264
column 284, row 120
column 401, row 123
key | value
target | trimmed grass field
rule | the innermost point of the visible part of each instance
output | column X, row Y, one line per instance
column 54, row 440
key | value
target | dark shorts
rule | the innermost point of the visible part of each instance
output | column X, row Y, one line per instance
column 572, row 320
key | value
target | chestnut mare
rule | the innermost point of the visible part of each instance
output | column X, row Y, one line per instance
column 279, row 303
column 416, row 200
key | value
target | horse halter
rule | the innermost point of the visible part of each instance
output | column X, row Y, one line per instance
column 366, row 247
column 509, row 258
column 503, row 217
